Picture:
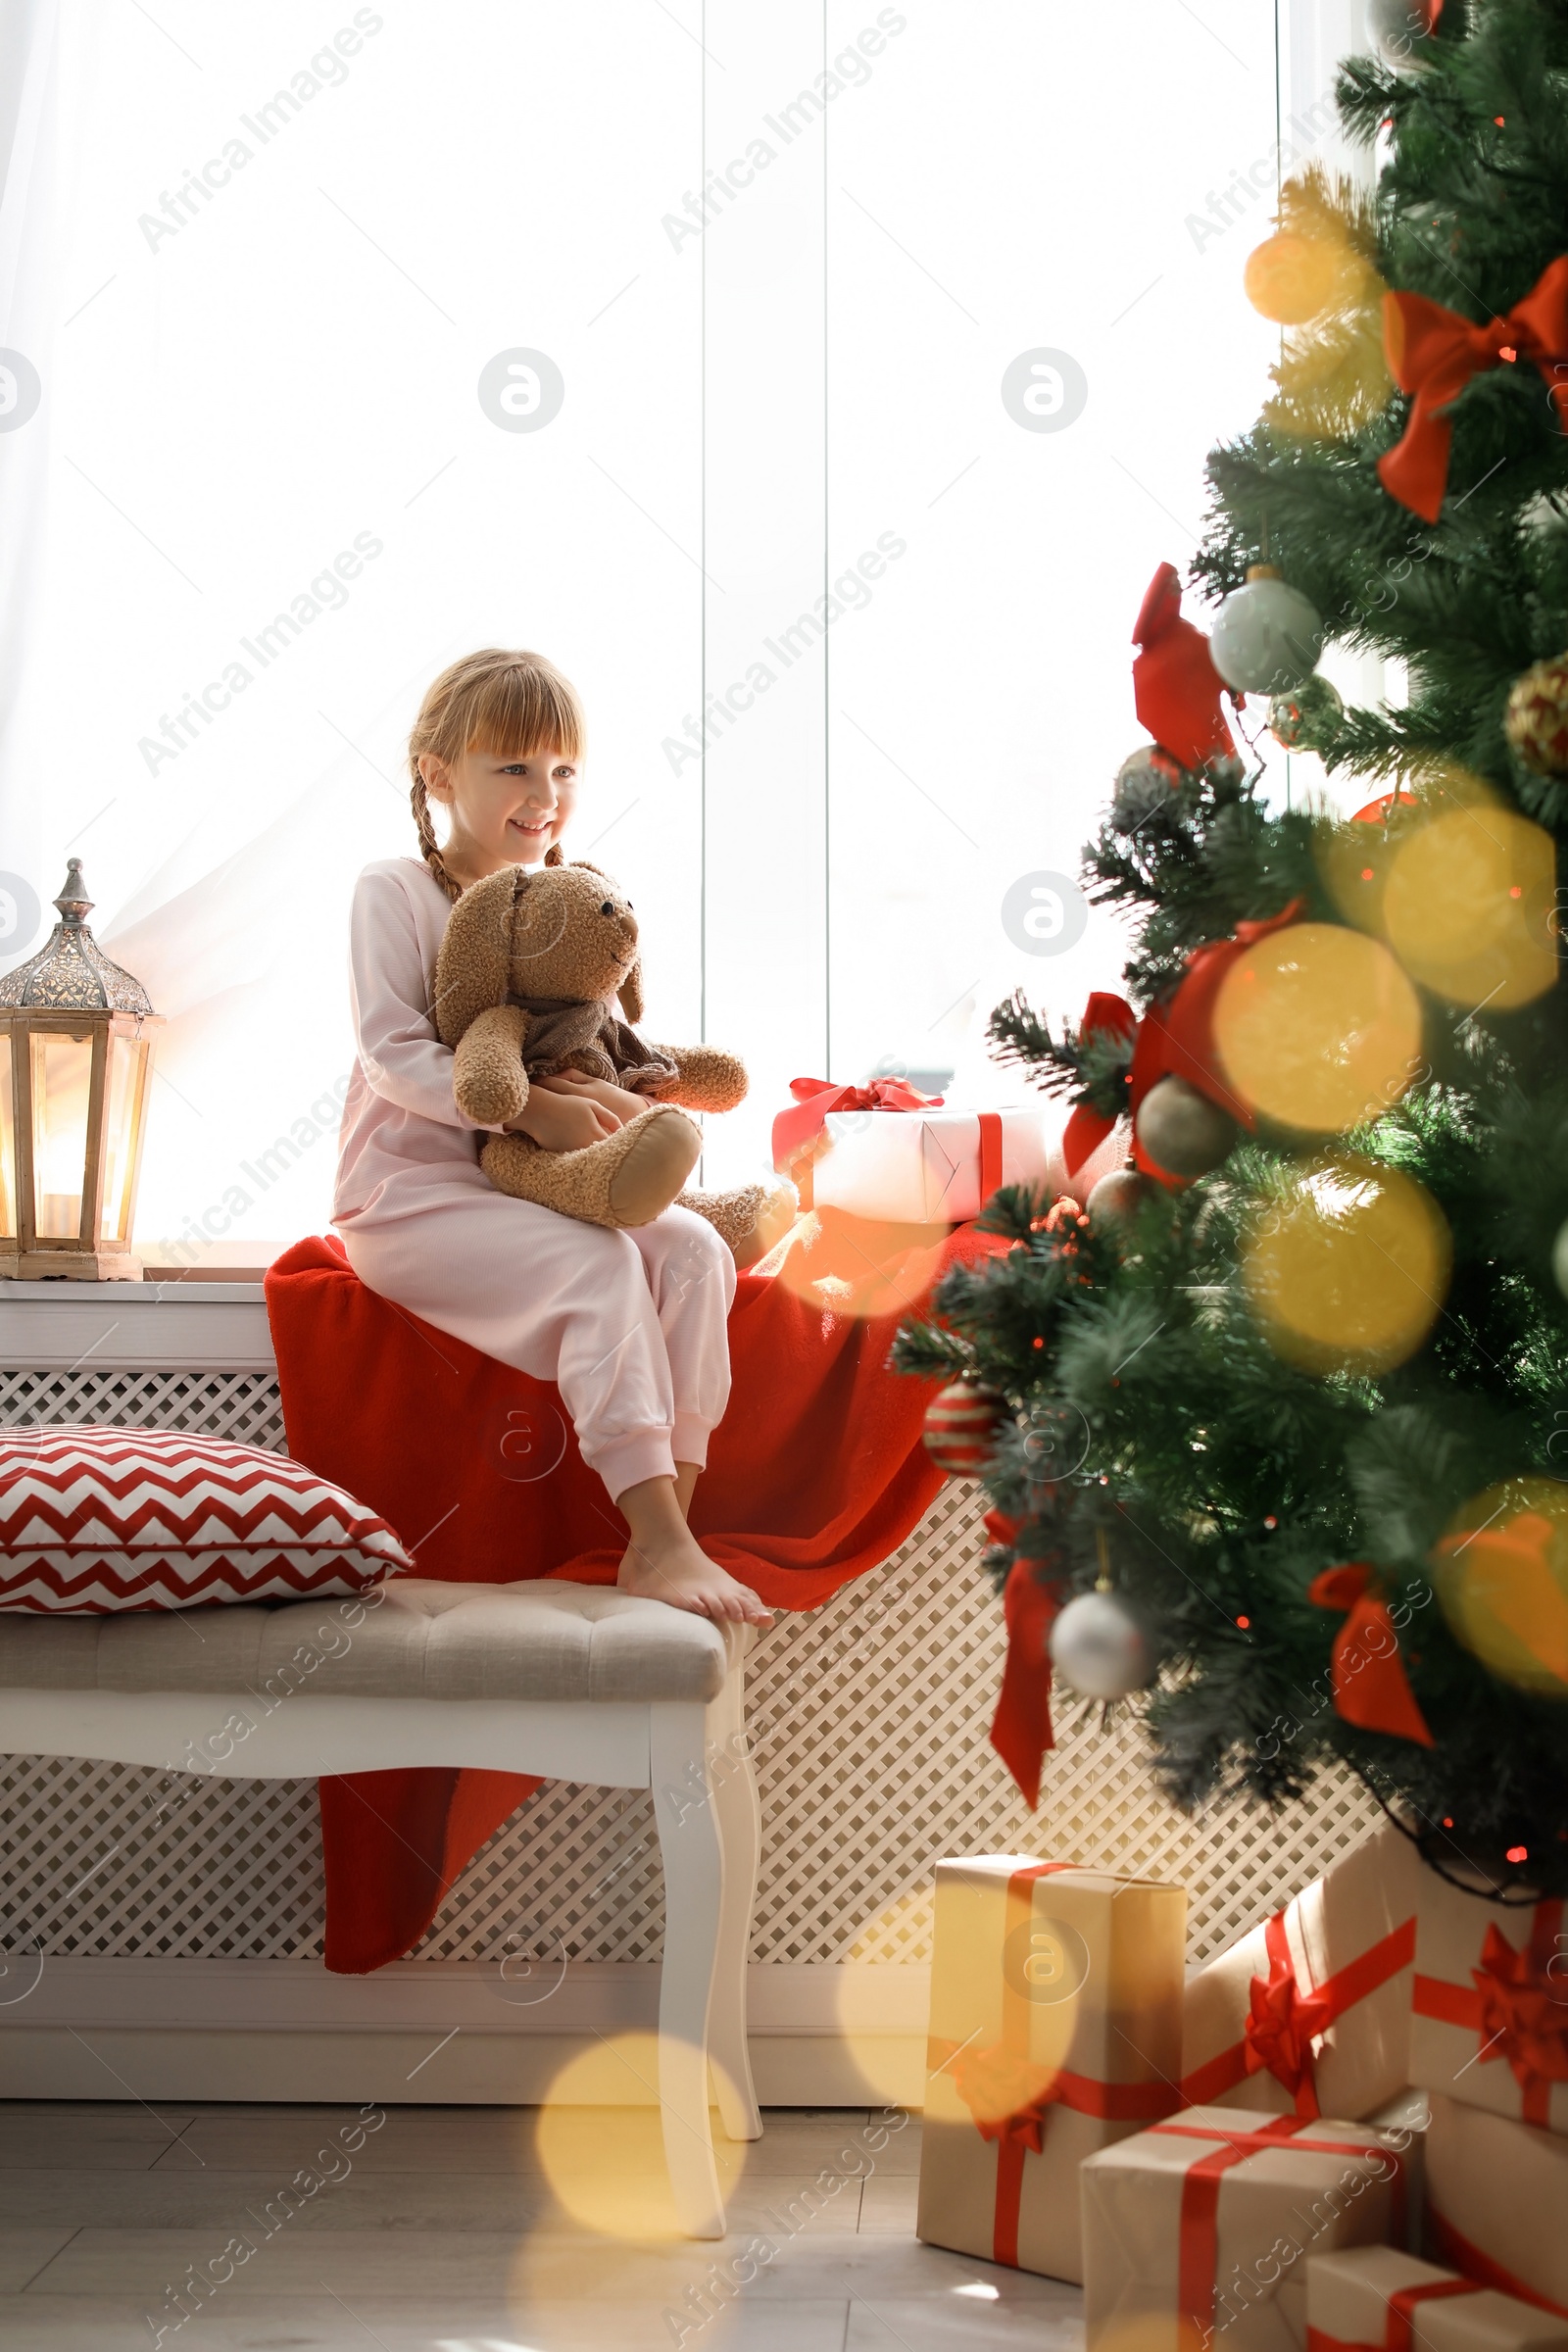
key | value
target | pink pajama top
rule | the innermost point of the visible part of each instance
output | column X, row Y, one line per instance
column 403, row 1141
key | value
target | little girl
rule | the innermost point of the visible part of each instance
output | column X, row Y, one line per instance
column 630, row 1325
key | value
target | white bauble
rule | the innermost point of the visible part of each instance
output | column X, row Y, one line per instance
column 1114, row 1202
column 1267, row 637
column 1099, row 1647
column 1560, row 1259
column 1400, row 32
column 1181, row 1130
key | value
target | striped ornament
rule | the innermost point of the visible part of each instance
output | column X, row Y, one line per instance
column 95, row 1520
column 960, row 1427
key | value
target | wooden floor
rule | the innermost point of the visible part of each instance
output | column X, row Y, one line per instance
column 477, row 2230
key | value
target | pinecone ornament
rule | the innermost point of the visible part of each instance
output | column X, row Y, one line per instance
column 1535, row 722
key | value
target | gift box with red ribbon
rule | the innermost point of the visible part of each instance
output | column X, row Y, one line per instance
column 1199, row 2229
column 1376, row 2299
column 1497, row 2203
column 888, row 1152
column 1491, row 2004
column 1310, row 2013
column 1056, row 2029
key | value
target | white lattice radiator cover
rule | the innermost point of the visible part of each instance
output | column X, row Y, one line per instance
column 869, row 1715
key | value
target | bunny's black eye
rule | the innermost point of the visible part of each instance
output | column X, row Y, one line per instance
column 607, row 908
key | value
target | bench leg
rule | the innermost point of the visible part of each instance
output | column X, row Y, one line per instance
column 693, row 1890
column 740, row 1828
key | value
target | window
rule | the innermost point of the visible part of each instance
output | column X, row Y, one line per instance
column 820, row 388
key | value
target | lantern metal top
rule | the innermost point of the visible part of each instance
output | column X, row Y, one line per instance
column 71, row 973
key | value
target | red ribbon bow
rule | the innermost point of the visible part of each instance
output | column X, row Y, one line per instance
column 1284, row 2022
column 1433, row 351
column 1523, row 2017
column 1285, row 2051
column 1176, row 688
column 1508, row 2006
column 815, row 1097
column 1371, row 1689
column 1008, row 2095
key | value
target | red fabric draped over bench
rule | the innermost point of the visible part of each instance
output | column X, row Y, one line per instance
column 815, row 1475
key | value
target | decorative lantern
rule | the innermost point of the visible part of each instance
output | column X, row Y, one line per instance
column 76, row 1052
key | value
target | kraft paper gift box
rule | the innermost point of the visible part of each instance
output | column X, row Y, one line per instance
column 1497, row 2202
column 1310, row 2013
column 1490, row 2023
column 1197, row 2231
column 925, row 1167
column 1378, row 2300
column 1056, row 2029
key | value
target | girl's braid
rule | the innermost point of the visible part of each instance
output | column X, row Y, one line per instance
column 429, row 848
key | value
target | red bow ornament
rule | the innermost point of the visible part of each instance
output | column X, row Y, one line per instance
column 1104, row 1015
column 1021, row 1729
column 815, row 1097
column 1173, row 1040
column 1176, row 688
column 1176, row 1038
column 1433, row 351
column 1284, row 2022
column 1371, row 1689
column 1523, row 2017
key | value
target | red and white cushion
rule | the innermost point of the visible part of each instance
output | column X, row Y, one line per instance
column 93, row 1520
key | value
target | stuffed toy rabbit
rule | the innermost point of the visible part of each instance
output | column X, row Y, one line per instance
column 526, row 980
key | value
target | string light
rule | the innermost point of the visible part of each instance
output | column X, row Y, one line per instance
column 1245, row 1623
column 1518, row 1853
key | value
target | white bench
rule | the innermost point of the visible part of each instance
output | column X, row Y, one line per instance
column 571, row 1681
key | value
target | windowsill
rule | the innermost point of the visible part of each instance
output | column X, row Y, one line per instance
column 172, row 1325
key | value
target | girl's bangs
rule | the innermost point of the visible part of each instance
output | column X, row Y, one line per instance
column 519, row 712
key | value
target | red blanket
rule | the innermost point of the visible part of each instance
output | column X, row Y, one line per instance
column 815, row 1475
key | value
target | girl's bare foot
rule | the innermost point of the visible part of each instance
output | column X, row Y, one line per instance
column 678, row 1571
column 663, row 1561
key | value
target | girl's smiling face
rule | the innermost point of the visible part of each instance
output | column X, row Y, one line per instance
column 506, row 808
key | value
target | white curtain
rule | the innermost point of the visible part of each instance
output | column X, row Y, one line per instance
column 844, row 567
column 35, row 171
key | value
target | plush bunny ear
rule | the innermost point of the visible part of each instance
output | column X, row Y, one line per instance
column 473, row 971
column 630, row 993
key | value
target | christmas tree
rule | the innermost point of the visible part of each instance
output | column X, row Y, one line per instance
column 1278, row 1417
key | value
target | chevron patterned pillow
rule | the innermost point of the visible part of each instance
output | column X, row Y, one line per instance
column 94, row 1520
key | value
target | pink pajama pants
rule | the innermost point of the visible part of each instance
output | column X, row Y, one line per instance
column 631, row 1326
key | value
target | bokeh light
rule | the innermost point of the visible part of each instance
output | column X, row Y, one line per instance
column 1348, row 1270
column 1503, row 1581
column 1354, row 860
column 877, row 2039
column 855, row 1266
column 1467, row 904
column 600, row 2143
column 1317, row 1027
column 1290, row 278
column 979, row 2071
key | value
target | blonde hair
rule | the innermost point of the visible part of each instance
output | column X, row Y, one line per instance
column 510, row 703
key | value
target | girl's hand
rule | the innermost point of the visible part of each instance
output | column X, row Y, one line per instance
column 563, row 1121
column 619, row 1100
